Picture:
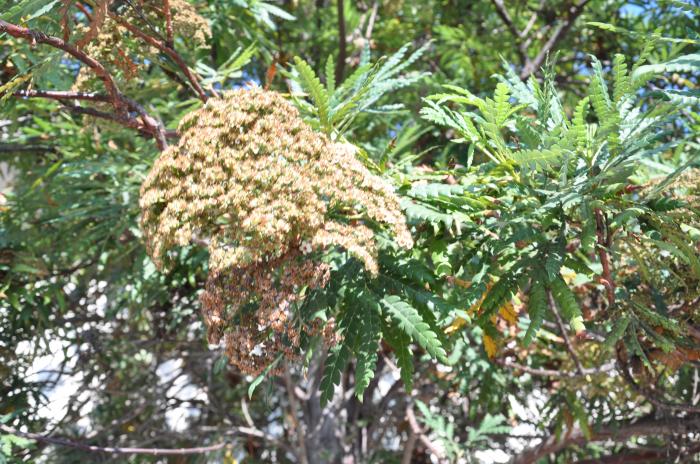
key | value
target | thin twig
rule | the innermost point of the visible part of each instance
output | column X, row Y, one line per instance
column 517, row 35
column 416, row 429
column 17, row 148
column 61, row 95
column 564, row 332
column 194, row 82
column 372, row 19
column 111, row 450
column 560, row 32
column 556, row 374
column 342, row 45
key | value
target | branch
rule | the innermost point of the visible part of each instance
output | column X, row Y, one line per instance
column 564, row 334
column 613, row 431
column 14, row 148
column 61, row 95
column 645, row 456
column 128, row 122
column 648, row 394
column 372, row 19
column 111, row 450
column 168, row 23
column 417, row 431
column 194, row 82
column 125, row 121
column 604, row 239
column 39, row 37
column 505, row 16
column 121, row 103
column 561, row 31
column 302, row 453
column 553, row 373
column 517, row 35
column 342, row 45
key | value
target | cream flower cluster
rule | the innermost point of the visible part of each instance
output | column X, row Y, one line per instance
column 268, row 195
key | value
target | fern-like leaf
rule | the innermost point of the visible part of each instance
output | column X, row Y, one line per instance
column 312, row 85
column 410, row 321
column 566, row 301
column 621, row 86
column 536, row 308
column 368, row 342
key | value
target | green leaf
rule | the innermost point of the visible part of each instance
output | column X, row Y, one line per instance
column 621, row 86
column 368, row 343
column 258, row 380
column 401, row 343
column 536, row 308
column 330, row 75
column 312, row 85
column 411, row 322
column 617, row 332
column 537, row 159
column 566, row 301
column 685, row 63
column 350, row 324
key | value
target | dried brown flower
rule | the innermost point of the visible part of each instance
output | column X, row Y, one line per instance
column 104, row 38
column 269, row 196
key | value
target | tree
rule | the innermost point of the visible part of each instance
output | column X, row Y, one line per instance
column 336, row 232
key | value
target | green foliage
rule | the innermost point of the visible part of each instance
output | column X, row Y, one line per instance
column 515, row 187
column 335, row 106
column 410, row 321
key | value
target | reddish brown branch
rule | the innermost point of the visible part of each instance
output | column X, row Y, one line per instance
column 168, row 24
column 194, row 82
column 604, row 242
column 112, row 450
column 142, row 127
column 35, row 37
column 121, row 103
column 342, row 43
column 84, row 10
column 618, row 432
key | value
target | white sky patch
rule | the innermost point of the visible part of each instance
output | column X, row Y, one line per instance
column 45, row 368
column 182, row 389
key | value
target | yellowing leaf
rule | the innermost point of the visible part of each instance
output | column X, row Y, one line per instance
column 456, row 324
column 490, row 346
column 476, row 306
column 6, row 90
column 507, row 312
column 567, row 274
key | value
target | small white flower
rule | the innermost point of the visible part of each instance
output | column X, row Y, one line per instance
column 257, row 350
column 305, row 247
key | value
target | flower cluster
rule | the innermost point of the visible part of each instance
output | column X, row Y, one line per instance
column 268, row 195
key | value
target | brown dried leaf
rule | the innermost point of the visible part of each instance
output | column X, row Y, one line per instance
column 99, row 14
